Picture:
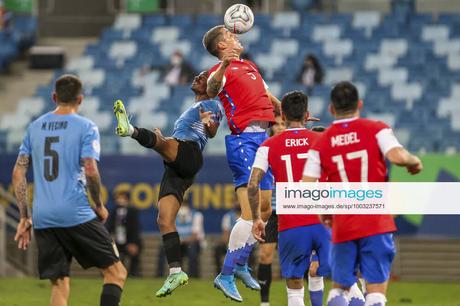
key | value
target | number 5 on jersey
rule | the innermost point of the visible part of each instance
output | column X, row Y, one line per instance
column 51, row 164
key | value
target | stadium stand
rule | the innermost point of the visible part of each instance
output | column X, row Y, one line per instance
column 19, row 35
column 396, row 60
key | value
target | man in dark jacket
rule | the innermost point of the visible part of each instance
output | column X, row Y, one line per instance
column 123, row 224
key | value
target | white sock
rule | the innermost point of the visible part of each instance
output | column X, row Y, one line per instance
column 130, row 130
column 295, row 297
column 315, row 283
column 339, row 294
column 375, row 299
column 265, row 304
column 355, row 293
column 175, row 270
column 363, row 285
column 240, row 234
column 251, row 240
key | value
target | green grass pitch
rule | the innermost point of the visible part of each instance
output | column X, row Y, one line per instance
column 140, row 292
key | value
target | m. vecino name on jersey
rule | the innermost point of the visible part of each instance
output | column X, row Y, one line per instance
column 344, row 139
column 54, row 125
column 299, row 142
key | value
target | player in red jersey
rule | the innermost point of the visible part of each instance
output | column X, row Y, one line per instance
column 249, row 108
column 354, row 149
column 299, row 235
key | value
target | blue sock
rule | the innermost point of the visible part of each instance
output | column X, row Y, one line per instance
column 230, row 260
column 356, row 302
column 337, row 298
column 246, row 252
column 316, row 298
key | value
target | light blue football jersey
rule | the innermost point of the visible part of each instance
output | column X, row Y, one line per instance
column 56, row 145
column 189, row 126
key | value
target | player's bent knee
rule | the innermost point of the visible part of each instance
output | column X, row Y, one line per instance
column 115, row 274
column 165, row 225
column 266, row 256
column 60, row 282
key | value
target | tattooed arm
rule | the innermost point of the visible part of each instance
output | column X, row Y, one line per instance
column 215, row 82
column 23, row 231
column 20, row 184
column 258, row 226
column 93, row 183
column 216, row 79
column 253, row 191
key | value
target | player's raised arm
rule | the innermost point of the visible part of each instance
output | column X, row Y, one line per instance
column 93, row 183
column 210, row 125
column 216, row 79
column 275, row 102
column 23, row 231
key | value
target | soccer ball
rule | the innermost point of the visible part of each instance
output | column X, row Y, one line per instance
column 239, row 18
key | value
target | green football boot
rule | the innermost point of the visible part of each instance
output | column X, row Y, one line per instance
column 172, row 282
column 122, row 119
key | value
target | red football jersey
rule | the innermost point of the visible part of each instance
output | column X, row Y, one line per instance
column 353, row 150
column 286, row 154
column 244, row 95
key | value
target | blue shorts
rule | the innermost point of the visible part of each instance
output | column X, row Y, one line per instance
column 295, row 246
column 372, row 256
column 241, row 152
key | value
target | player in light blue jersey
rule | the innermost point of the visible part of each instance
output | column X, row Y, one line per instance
column 183, row 158
column 64, row 148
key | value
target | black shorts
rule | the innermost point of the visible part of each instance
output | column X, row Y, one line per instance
column 90, row 243
column 179, row 175
column 271, row 229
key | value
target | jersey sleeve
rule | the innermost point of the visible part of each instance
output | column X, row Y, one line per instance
column 313, row 165
column 261, row 160
column 387, row 140
column 25, row 148
column 91, row 147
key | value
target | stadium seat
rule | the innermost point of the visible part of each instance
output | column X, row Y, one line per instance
column 388, row 118
column 326, row 32
column 127, row 22
column 165, row 34
column 408, row 93
column 392, row 76
column 379, row 61
column 367, row 21
column 335, row 75
column 148, row 119
column 92, row 78
column 447, row 47
column 270, row 63
column 250, row 37
column 453, row 61
column 316, row 106
column 90, row 105
column 31, row 107
column 286, row 20
column 159, row 90
column 285, row 47
column 435, row 33
column 338, row 49
column 394, row 47
column 169, row 48
column 81, row 63
column 122, row 50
